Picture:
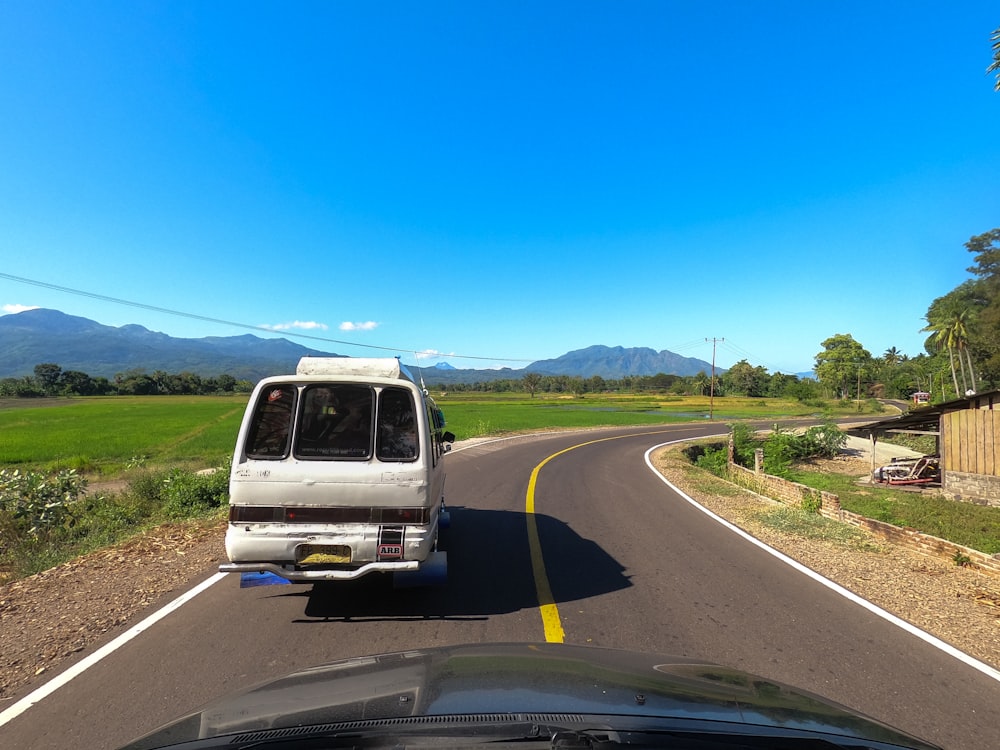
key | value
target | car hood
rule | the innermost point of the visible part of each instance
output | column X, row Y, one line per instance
column 533, row 682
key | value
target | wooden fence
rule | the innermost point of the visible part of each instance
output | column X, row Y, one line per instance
column 970, row 441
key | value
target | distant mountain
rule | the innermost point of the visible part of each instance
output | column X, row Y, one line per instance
column 616, row 362
column 447, row 376
column 612, row 363
column 36, row 336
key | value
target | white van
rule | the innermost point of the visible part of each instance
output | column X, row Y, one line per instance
column 338, row 472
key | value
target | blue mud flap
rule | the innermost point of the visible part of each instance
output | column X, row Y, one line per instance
column 433, row 572
column 249, row 580
column 444, row 520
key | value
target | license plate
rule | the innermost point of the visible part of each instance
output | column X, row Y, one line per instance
column 322, row 554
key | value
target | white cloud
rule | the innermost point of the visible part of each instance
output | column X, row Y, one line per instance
column 431, row 354
column 298, row 324
column 369, row 325
column 18, row 308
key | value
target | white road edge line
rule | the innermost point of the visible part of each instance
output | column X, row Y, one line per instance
column 937, row 643
column 80, row 667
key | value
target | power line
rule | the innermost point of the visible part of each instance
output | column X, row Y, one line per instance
column 687, row 345
column 748, row 356
column 711, row 408
column 247, row 326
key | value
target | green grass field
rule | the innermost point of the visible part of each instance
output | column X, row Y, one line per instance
column 478, row 414
column 103, row 436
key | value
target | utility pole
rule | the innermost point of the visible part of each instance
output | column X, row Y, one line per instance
column 859, row 386
column 711, row 387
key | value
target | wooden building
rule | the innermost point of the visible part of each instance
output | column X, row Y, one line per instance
column 967, row 431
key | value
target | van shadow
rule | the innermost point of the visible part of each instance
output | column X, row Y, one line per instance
column 489, row 573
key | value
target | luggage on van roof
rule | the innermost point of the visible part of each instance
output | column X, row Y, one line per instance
column 378, row 367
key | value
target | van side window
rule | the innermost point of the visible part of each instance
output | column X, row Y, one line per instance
column 435, row 433
column 335, row 422
column 271, row 425
column 397, row 426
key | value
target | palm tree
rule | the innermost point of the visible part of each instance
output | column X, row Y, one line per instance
column 700, row 382
column 950, row 325
column 941, row 338
column 962, row 324
column 887, row 364
column 995, row 65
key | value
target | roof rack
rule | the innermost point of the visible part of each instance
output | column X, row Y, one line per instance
column 377, row 367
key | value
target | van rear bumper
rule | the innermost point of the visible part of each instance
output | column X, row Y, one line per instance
column 285, row 549
column 289, row 573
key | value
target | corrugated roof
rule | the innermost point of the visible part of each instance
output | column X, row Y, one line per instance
column 927, row 418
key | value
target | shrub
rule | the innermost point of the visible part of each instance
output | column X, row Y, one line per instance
column 36, row 503
column 103, row 519
column 812, row 501
column 745, row 442
column 148, row 487
column 47, row 519
column 713, row 457
column 696, row 450
column 186, row 494
column 825, row 440
column 714, row 460
column 780, row 449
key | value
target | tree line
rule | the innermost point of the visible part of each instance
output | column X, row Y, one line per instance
column 741, row 380
column 962, row 349
column 49, row 379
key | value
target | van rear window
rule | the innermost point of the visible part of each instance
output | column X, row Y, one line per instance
column 397, row 426
column 336, row 421
column 271, row 425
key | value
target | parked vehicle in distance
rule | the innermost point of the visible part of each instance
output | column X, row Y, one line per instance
column 338, row 472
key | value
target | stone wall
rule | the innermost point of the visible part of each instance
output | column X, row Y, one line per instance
column 978, row 489
column 827, row 504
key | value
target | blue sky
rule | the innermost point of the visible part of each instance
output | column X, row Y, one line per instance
column 500, row 182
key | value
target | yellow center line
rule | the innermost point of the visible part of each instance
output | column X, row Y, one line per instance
column 551, row 622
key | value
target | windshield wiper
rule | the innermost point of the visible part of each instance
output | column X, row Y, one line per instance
column 522, row 735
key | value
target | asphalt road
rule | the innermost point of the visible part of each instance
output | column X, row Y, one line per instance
column 630, row 565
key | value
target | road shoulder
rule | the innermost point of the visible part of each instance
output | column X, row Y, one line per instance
column 959, row 605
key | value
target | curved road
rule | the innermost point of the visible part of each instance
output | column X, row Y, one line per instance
column 629, row 563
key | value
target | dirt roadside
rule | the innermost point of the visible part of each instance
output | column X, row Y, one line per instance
column 48, row 619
